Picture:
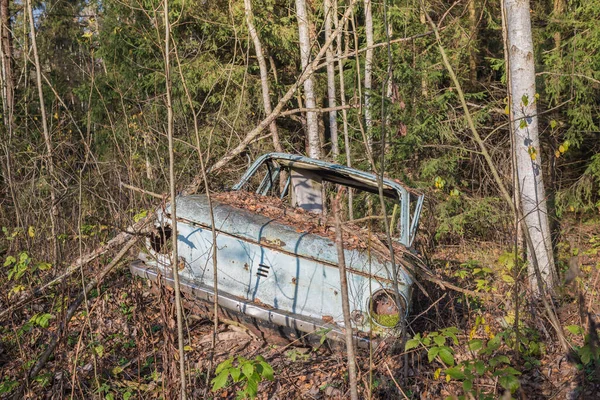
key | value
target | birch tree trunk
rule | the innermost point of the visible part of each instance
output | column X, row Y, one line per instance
column 333, row 128
column 312, row 125
column 343, row 103
column 527, row 145
column 369, row 72
column 264, row 78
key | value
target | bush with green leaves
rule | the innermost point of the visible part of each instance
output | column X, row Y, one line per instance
column 588, row 353
column 247, row 373
column 487, row 361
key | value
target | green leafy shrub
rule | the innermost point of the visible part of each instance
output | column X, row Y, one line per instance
column 487, row 361
column 248, row 373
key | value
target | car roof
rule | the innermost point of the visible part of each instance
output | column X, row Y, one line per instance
column 336, row 173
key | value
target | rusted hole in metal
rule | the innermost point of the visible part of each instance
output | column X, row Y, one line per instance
column 160, row 239
column 384, row 310
column 357, row 316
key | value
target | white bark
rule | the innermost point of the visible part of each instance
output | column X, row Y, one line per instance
column 527, row 144
column 264, row 79
column 312, row 125
column 343, row 102
column 333, row 128
column 369, row 71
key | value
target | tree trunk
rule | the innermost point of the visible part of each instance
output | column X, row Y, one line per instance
column 333, row 128
column 343, row 102
column 527, row 145
column 312, row 126
column 473, row 42
column 47, row 139
column 264, row 79
column 348, row 332
column 369, row 72
column 7, row 64
column 557, row 11
column 173, row 190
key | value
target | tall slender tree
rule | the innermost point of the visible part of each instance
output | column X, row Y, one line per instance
column 46, row 132
column 312, row 125
column 333, row 128
column 369, row 71
column 6, row 54
column 524, row 119
column 264, row 73
column 173, row 193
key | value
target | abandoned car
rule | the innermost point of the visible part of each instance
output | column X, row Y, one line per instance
column 277, row 261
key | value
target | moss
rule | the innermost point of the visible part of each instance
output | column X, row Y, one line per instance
column 389, row 321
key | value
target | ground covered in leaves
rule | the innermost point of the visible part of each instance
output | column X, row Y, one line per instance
column 121, row 344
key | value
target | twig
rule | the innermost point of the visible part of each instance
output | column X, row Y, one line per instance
column 173, row 190
column 430, row 307
column 317, row 110
column 568, row 75
column 143, row 191
column 395, row 382
column 345, row 301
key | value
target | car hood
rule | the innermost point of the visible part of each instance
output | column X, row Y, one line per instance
column 269, row 232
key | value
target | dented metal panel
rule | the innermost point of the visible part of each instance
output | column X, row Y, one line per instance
column 266, row 262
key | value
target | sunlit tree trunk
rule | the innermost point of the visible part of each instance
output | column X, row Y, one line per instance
column 312, row 125
column 339, row 53
column 527, row 145
column 369, row 71
column 264, row 77
column 333, row 128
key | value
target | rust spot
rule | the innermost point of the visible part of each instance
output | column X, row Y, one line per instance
column 181, row 264
column 384, row 304
column 272, row 242
column 358, row 316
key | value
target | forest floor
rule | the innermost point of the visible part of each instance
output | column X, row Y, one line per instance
column 121, row 344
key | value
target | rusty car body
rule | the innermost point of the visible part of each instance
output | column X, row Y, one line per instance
column 270, row 274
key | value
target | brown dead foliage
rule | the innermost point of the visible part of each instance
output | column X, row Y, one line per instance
column 355, row 237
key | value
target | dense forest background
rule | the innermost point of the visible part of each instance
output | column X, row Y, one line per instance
column 90, row 162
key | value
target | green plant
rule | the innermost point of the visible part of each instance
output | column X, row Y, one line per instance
column 294, row 355
column 7, row 385
column 435, row 342
column 18, row 266
column 486, row 361
column 481, row 275
column 588, row 354
column 41, row 320
column 248, row 373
